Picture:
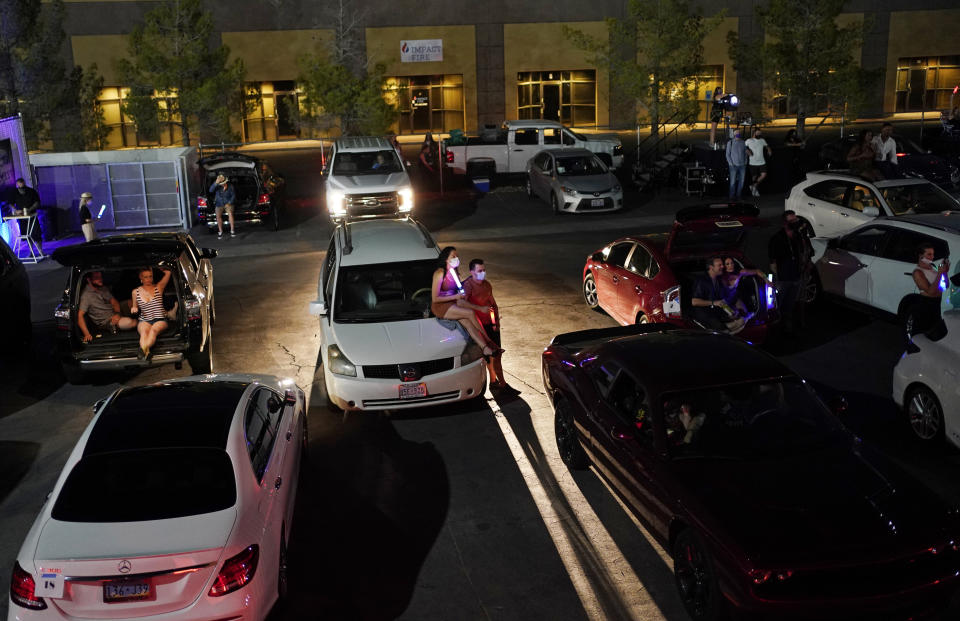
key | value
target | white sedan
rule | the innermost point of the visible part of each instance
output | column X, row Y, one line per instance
column 925, row 384
column 176, row 503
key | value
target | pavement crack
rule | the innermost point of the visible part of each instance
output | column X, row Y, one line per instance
column 293, row 358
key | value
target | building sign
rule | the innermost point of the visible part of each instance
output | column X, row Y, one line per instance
column 420, row 100
column 421, row 50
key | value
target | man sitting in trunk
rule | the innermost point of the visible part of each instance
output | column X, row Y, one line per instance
column 708, row 306
column 99, row 310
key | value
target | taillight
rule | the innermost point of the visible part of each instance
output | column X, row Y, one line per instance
column 22, row 587
column 236, row 573
column 62, row 315
column 192, row 307
column 671, row 301
column 264, row 199
column 201, row 201
column 449, row 156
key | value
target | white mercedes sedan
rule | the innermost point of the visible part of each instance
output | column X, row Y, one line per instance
column 176, row 503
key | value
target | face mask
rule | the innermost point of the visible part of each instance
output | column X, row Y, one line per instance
column 480, row 275
column 455, row 262
column 926, row 260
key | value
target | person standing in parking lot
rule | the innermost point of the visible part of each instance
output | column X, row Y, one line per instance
column 927, row 277
column 737, row 153
column 758, row 149
column 885, row 151
column 86, row 218
column 479, row 291
column 788, row 254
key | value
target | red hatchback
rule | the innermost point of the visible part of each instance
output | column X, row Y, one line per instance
column 637, row 280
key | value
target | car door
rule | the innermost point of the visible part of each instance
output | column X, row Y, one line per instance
column 267, row 452
column 539, row 171
column 635, row 289
column 525, row 143
column 845, row 265
column 609, row 275
column 858, row 198
column 821, row 202
column 623, row 440
column 892, row 271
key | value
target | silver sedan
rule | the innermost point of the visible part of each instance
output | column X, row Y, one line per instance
column 573, row 180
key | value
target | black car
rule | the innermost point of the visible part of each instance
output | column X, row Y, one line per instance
column 14, row 300
column 188, row 300
column 912, row 160
column 260, row 192
column 767, row 503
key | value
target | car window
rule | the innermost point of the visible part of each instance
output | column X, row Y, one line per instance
column 329, row 267
column 603, row 375
column 918, row 198
column 869, row 241
column 904, row 246
column 381, row 292
column 194, row 253
column 862, row 197
column 627, row 400
column 260, row 425
column 367, row 162
column 526, row 136
column 551, row 135
column 640, row 260
column 568, row 138
column 831, row 191
column 542, row 162
column 617, row 254
column 579, row 165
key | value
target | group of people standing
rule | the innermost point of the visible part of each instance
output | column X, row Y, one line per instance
column 741, row 153
column 874, row 157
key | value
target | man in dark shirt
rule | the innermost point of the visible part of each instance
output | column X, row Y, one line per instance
column 707, row 305
column 26, row 201
column 789, row 254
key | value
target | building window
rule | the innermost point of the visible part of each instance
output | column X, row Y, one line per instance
column 707, row 79
column 272, row 111
column 123, row 131
column 926, row 83
column 428, row 103
column 566, row 96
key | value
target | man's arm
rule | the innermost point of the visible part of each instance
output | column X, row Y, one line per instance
column 82, row 324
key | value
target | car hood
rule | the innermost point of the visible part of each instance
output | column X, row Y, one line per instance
column 815, row 509
column 396, row 342
column 389, row 182
column 590, row 183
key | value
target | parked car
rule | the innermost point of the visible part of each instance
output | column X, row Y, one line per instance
column 508, row 149
column 189, row 298
column 834, row 202
column 15, row 293
column 635, row 280
column 871, row 266
column 260, row 192
column 737, row 468
column 365, row 178
column 381, row 348
column 574, row 181
column 176, row 502
column 925, row 384
column 913, row 161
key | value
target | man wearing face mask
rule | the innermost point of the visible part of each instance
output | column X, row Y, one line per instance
column 788, row 254
column 479, row 291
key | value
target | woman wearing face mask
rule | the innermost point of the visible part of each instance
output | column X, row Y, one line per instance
column 449, row 302
column 927, row 277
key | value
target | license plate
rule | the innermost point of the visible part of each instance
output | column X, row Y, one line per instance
column 412, row 391
column 125, row 591
column 597, row 202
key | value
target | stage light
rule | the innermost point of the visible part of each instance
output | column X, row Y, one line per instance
column 730, row 101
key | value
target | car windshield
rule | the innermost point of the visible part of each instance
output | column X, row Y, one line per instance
column 384, row 292
column 579, row 166
column 576, row 135
column 153, row 484
column 366, row 162
column 918, row 198
column 751, row 421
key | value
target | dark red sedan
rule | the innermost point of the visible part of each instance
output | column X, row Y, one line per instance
column 637, row 280
column 766, row 502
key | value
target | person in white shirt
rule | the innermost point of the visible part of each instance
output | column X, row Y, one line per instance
column 885, row 148
column 758, row 163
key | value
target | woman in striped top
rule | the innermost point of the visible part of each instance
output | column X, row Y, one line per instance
column 148, row 302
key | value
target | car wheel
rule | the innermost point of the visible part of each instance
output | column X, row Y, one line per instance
column 695, row 578
column 276, row 218
column 924, row 413
column 810, row 287
column 529, row 189
column 283, row 587
column 590, row 295
column 201, row 362
column 571, row 451
column 555, row 203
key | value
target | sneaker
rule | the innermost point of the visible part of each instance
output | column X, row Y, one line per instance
column 756, row 191
column 232, row 234
column 219, row 234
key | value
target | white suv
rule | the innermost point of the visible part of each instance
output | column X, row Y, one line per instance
column 873, row 265
column 834, row 202
column 380, row 346
column 366, row 178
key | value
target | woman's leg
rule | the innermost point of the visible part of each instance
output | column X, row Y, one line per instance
column 144, row 329
column 155, row 331
column 468, row 319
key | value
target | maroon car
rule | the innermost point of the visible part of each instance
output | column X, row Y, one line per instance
column 766, row 502
column 637, row 280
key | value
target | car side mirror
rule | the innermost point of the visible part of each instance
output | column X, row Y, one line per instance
column 318, row 308
column 208, row 253
column 839, row 405
column 873, row 212
column 597, row 256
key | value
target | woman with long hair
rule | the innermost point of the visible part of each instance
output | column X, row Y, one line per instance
column 730, row 279
column 449, row 302
column 861, row 157
column 927, row 277
column 148, row 304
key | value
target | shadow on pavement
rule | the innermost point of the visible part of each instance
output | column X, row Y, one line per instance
column 31, row 375
column 16, row 457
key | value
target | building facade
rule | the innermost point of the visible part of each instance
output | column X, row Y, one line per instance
column 458, row 65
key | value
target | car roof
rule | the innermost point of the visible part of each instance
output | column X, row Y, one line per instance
column 362, row 143
column 128, row 246
column 947, row 221
column 521, row 124
column 889, row 183
column 841, row 173
column 690, row 359
column 167, row 415
column 384, row 241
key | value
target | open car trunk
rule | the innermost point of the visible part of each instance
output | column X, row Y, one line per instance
column 244, row 183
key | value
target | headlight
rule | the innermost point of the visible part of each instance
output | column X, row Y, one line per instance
column 406, row 199
column 568, row 191
column 335, row 202
column 339, row 363
column 470, row 353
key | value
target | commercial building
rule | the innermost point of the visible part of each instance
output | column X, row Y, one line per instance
column 462, row 65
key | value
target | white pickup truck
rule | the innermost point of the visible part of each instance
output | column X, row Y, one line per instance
column 508, row 149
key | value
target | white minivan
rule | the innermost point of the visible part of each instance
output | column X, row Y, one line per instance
column 380, row 346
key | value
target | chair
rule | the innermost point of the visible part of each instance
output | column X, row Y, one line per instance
column 360, row 295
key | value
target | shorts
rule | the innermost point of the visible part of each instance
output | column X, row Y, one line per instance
column 228, row 208
column 757, row 170
column 153, row 321
column 716, row 115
